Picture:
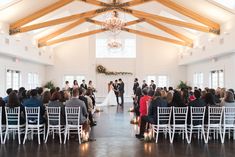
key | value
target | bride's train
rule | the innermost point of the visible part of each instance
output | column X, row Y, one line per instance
column 110, row 99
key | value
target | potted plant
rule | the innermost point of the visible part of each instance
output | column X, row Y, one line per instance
column 49, row 85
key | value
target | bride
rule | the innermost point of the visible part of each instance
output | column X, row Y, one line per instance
column 111, row 97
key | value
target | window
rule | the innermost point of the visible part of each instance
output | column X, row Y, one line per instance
column 198, row 80
column 149, row 78
column 217, row 78
column 162, row 81
column 13, row 79
column 128, row 49
column 71, row 78
column 33, row 80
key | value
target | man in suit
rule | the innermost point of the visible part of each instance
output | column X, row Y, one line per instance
column 115, row 87
column 83, row 85
column 121, row 90
column 136, row 84
column 153, row 85
column 144, row 84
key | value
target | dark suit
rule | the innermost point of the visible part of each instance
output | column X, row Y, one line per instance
column 121, row 92
column 153, row 86
column 83, row 86
column 136, row 85
column 115, row 87
column 144, row 85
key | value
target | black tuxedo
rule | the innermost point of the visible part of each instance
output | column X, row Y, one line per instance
column 153, row 86
column 136, row 84
column 121, row 91
column 115, row 87
column 83, row 86
column 144, row 85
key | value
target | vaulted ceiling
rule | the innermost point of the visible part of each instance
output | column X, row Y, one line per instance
column 55, row 21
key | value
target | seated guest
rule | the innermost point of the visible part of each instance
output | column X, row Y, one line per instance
column 169, row 97
column 157, row 101
column 90, row 109
column 34, row 102
column 209, row 99
column 89, row 93
column 46, row 98
column 198, row 102
column 8, row 91
column 40, row 91
column 75, row 102
column 176, row 100
column 2, row 104
column 56, row 103
column 82, row 97
column 13, row 102
column 228, row 101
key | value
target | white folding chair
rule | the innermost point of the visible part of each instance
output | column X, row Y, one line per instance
column 32, row 115
column 229, row 121
column 54, row 122
column 179, row 122
column 13, row 123
column 72, row 122
column 197, row 122
column 214, row 121
column 163, row 121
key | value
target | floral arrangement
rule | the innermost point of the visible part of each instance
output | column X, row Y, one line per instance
column 182, row 85
column 49, row 85
column 102, row 70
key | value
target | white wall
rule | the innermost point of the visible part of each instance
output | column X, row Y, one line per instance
column 24, row 67
column 77, row 57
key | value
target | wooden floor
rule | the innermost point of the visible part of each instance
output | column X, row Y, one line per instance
column 115, row 138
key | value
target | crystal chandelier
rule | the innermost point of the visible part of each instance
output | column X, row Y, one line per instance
column 114, row 44
column 114, row 24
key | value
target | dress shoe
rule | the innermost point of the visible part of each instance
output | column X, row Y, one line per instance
column 139, row 136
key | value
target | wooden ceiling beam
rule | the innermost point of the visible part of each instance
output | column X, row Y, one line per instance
column 59, row 21
column 145, row 34
column 95, row 2
column 61, row 31
column 169, row 20
column 189, row 13
column 56, row 41
column 168, row 30
column 134, row 3
column 40, row 13
column 134, row 22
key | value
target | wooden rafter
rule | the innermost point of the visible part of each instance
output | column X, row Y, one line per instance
column 59, row 21
column 168, row 30
column 95, row 2
column 134, row 22
column 190, row 13
column 40, row 13
column 56, row 41
column 134, row 3
column 62, row 30
column 169, row 20
column 157, row 37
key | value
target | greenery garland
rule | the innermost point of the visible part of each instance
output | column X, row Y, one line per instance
column 100, row 69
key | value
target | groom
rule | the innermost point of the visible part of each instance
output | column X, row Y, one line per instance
column 121, row 90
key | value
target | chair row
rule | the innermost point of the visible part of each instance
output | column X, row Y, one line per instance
column 33, row 125
column 220, row 120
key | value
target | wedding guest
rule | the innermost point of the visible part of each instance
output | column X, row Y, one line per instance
column 40, row 91
column 55, row 102
column 75, row 102
column 169, row 98
column 83, row 85
column 75, row 84
column 176, row 100
column 34, row 102
column 90, row 109
column 2, row 104
column 157, row 101
column 52, row 90
column 22, row 96
column 185, row 96
column 13, row 102
column 46, row 96
column 153, row 85
column 136, row 85
column 144, row 102
column 63, row 96
column 82, row 97
column 137, row 97
column 57, row 89
column 91, row 86
column 209, row 99
column 90, row 94
column 197, row 102
column 228, row 100
column 144, row 84
column 8, row 91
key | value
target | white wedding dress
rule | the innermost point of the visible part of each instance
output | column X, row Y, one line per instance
column 110, row 99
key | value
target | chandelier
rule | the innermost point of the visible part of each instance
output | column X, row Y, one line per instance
column 114, row 44
column 114, row 24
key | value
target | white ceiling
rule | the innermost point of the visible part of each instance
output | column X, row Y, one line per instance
column 26, row 7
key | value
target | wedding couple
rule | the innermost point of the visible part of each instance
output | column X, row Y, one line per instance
column 116, row 90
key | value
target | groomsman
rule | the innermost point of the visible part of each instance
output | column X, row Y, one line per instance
column 115, row 87
column 144, row 84
column 121, row 91
column 153, row 85
column 136, row 85
column 83, row 85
